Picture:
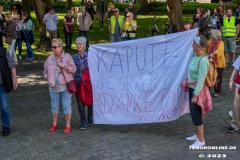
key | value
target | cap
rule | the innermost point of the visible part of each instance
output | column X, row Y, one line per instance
column 205, row 11
column 116, row 10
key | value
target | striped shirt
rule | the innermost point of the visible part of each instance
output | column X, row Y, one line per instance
column 197, row 71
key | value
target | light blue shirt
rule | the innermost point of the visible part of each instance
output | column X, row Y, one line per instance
column 51, row 21
column 28, row 25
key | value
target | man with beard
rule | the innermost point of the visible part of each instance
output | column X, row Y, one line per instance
column 230, row 30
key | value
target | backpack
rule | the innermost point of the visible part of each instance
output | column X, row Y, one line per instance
column 211, row 77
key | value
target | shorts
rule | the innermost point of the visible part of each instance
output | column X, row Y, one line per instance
column 66, row 99
column 229, row 45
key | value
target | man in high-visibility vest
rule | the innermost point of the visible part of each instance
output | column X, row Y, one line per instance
column 230, row 30
column 115, row 26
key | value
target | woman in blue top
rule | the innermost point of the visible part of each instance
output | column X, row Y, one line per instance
column 28, row 33
column 80, row 60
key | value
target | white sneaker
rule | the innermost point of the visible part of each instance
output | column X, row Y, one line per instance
column 197, row 143
column 192, row 138
column 230, row 114
column 20, row 57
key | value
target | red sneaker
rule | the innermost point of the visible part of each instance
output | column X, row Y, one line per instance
column 67, row 130
column 53, row 128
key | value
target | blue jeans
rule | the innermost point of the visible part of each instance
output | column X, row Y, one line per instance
column 116, row 38
column 5, row 107
column 85, row 34
column 30, row 53
column 18, row 44
column 68, row 40
column 66, row 99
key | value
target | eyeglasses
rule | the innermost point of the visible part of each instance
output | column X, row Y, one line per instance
column 54, row 47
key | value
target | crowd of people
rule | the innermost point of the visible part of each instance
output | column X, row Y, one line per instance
column 214, row 43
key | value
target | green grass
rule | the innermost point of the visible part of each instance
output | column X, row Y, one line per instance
column 95, row 35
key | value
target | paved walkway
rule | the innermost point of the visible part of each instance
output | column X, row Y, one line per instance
column 31, row 119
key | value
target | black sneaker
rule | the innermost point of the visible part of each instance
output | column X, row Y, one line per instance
column 90, row 122
column 227, row 64
column 83, row 126
column 231, row 129
column 6, row 131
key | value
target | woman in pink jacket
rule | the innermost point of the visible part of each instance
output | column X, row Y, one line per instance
column 56, row 65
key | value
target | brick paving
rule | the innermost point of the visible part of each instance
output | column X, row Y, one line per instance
column 31, row 119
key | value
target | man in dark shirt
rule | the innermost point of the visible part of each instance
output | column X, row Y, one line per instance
column 131, row 9
column 7, row 71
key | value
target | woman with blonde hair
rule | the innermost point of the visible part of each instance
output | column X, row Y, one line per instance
column 216, row 53
column 129, row 28
column 11, row 36
column 197, row 72
column 58, row 71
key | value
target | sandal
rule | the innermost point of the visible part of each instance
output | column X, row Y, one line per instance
column 67, row 130
column 53, row 128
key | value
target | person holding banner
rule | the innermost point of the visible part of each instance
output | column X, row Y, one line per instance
column 81, row 62
column 58, row 71
column 197, row 72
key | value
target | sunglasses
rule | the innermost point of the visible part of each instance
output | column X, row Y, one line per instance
column 54, row 47
column 128, row 16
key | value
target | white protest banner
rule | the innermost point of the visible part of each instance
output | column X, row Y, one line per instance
column 137, row 81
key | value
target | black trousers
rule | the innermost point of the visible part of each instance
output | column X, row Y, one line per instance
column 1, row 39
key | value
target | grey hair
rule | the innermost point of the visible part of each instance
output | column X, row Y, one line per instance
column 81, row 40
column 216, row 34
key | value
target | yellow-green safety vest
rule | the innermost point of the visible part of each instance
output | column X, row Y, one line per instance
column 113, row 23
column 229, row 29
column 132, row 34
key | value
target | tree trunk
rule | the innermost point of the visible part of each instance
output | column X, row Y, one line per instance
column 174, row 8
column 40, row 8
column 26, row 6
column 69, row 4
